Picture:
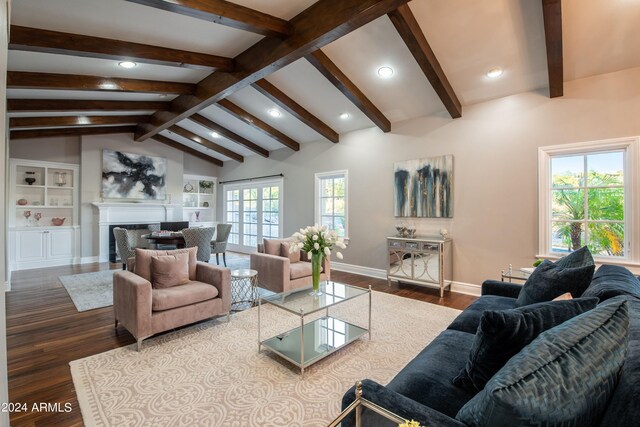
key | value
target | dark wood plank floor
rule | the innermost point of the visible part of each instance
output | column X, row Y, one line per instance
column 45, row 333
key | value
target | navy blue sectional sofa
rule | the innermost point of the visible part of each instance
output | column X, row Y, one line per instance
column 423, row 390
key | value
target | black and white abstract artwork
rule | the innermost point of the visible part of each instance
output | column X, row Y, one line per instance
column 423, row 188
column 133, row 176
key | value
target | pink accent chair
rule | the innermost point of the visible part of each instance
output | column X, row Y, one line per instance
column 145, row 311
column 280, row 271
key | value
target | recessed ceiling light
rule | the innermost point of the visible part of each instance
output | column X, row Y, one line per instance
column 344, row 116
column 163, row 95
column 494, row 73
column 385, row 72
column 274, row 112
column 215, row 134
column 127, row 64
column 108, row 86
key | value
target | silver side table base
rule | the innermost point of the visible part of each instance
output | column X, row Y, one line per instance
column 244, row 289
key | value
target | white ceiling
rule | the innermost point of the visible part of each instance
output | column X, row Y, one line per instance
column 469, row 37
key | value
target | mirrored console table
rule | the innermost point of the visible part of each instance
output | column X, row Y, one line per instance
column 424, row 261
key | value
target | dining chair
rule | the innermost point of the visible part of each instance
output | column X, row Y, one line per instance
column 125, row 248
column 219, row 246
column 200, row 238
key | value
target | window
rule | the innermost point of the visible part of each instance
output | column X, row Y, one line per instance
column 587, row 197
column 254, row 212
column 331, row 201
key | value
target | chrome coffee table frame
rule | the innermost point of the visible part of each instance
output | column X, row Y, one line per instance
column 315, row 340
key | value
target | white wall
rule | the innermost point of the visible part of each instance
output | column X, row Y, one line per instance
column 4, row 386
column 495, row 170
column 63, row 149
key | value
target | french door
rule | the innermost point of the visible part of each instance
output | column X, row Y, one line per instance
column 254, row 211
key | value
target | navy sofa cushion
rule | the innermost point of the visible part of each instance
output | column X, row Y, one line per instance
column 427, row 378
column 502, row 334
column 565, row 377
column 469, row 319
column 549, row 281
column 579, row 258
column 613, row 280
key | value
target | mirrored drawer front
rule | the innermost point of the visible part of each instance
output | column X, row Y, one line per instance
column 430, row 246
column 412, row 245
column 395, row 244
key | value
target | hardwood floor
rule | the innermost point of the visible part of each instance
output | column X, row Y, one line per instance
column 45, row 332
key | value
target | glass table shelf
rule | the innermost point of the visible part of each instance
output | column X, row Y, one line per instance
column 314, row 340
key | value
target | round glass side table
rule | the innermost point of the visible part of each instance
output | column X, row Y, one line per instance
column 244, row 289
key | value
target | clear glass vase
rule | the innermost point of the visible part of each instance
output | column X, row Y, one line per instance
column 316, row 266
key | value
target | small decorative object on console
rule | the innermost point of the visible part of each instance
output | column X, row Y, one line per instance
column 317, row 242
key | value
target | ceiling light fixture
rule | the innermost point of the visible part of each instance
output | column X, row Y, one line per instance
column 385, row 72
column 344, row 116
column 494, row 73
column 274, row 112
column 215, row 134
column 127, row 64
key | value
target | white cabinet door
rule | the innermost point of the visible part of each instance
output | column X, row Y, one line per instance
column 31, row 246
column 60, row 244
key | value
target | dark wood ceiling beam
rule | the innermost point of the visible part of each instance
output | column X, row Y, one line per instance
column 37, row 40
column 230, row 135
column 72, row 121
column 332, row 73
column 32, row 105
column 47, row 133
column 258, row 124
column 295, row 109
column 322, row 23
column 199, row 154
column 552, row 14
column 28, row 80
column 206, row 143
column 410, row 31
column 224, row 13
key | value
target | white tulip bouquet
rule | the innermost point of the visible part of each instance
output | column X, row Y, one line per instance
column 316, row 240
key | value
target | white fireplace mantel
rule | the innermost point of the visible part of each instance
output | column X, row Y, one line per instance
column 113, row 213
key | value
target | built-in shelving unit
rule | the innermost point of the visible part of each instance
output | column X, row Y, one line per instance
column 199, row 200
column 43, row 215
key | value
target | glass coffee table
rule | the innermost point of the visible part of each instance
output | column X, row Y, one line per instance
column 313, row 341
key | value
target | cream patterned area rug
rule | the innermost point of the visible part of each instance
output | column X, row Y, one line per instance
column 211, row 374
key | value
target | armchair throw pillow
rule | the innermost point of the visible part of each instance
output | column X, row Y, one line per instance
column 169, row 270
column 550, row 280
column 284, row 251
column 503, row 333
column 565, row 377
column 580, row 258
column 613, row 280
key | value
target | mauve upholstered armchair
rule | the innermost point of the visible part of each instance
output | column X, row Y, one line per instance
column 145, row 311
column 280, row 271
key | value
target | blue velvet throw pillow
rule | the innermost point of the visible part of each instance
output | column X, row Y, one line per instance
column 503, row 333
column 549, row 281
column 613, row 280
column 565, row 377
column 580, row 258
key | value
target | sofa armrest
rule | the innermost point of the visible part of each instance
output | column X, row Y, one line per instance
column 501, row 289
column 132, row 302
column 273, row 271
column 398, row 404
column 220, row 277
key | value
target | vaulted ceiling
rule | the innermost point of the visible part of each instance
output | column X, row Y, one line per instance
column 210, row 73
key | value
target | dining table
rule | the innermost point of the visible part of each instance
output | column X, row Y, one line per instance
column 175, row 238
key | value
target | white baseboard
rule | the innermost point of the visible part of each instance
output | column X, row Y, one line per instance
column 89, row 259
column 376, row 273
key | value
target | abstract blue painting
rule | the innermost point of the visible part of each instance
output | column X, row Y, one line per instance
column 423, row 188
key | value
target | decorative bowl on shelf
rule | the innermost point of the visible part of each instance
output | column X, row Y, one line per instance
column 23, row 202
column 205, row 204
column 57, row 221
